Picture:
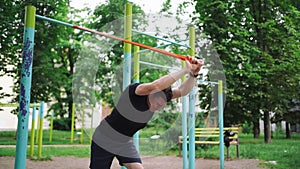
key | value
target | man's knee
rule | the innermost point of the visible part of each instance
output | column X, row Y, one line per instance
column 133, row 165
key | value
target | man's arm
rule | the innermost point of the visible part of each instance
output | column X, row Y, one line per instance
column 189, row 83
column 191, row 66
column 161, row 83
column 184, row 88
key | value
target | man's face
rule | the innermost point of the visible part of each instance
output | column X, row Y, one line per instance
column 156, row 103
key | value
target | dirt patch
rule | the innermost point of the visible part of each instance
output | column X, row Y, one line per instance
column 161, row 162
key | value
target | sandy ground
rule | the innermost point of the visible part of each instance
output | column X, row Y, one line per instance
column 157, row 162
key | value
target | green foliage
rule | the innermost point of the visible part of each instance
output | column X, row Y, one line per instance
column 55, row 52
column 257, row 43
column 246, row 128
column 109, row 17
column 163, row 121
column 62, row 124
column 11, row 37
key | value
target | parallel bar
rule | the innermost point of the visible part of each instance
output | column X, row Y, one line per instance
column 156, row 65
column 54, row 21
column 25, row 88
column 177, row 56
column 160, row 38
column 203, row 81
column 31, row 105
column 160, row 46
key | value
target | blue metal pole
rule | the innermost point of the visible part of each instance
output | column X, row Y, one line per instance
column 127, row 48
column 221, row 125
column 184, row 133
column 136, row 79
column 192, row 107
column 25, row 88
column 192, row 129
column 54, row 21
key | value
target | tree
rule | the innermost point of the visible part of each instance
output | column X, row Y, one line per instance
column 110, row 63
column 55, row 52
column 250, row 36
column 11, row 37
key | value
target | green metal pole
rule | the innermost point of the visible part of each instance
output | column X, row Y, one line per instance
column 51, row 127
column 127, row 48
column 32, row 132
column 136, row 79
column 37, row 127
column 41, row 119
column 25, row 88
column 221, row 125
column 82, row 125
column 192, row 106
column 92, row 127
column 72, row 123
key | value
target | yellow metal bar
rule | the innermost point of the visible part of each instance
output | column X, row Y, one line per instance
column 16, row 105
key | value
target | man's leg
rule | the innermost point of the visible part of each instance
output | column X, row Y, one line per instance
column 133, row 165
column 130, row 163
column 100, row 158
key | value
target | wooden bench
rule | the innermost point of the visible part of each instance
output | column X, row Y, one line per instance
column 210, row 136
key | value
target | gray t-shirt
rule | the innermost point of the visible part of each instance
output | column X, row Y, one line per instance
column 115, row 132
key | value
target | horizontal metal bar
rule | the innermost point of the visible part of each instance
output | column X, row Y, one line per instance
column 177, row 56
column 203, row 81
column 160, row 46
column 16, row 104
column 54, row 21
column 156, row 65
column 160, row 38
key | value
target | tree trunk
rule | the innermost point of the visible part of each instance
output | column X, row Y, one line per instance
column 267, row 127
column 287, row 130
column 256, row 128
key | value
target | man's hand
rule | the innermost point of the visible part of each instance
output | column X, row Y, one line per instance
column 194, row 65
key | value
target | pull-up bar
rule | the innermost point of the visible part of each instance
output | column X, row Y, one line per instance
column 156, row 65
column 210, row 82
column 160, row 38
column 177, row 56
column 162, row 46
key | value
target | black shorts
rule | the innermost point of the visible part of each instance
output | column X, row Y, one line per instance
column 102, row 159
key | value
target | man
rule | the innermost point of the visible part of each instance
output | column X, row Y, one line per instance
column 113, row 137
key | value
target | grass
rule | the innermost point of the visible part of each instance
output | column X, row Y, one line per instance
column 58, row 137
column 285, row 152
